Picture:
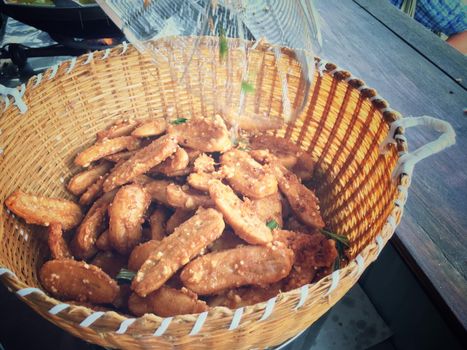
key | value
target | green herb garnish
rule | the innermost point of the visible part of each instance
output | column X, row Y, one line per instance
column 272, row 224
column 178, row 121
column 341, row 242
column 125, row 276
column 247, row 87
column 338, row 238
column 223, row 46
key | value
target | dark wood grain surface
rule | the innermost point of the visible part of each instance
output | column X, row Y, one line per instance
column 433, row 231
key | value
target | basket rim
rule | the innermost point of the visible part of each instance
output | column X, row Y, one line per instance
column 263, row 310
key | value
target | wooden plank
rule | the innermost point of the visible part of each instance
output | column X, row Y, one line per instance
column 433, row 227
column 428, row 44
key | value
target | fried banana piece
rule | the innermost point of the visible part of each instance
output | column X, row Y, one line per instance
column 187, row 199
column 244, row 296
column 312, row 251
column 200, row 181
column 249, row 265
column 176, row 250
column 57, row 244
column 122, row 127
column 80, row 182
column 143, row 160
column 204, row 164
column 153, row 127
column 103, row 243
column 247, row 176
column 204, row 134
column 286, row 151
column 167, row 302
column 302, row 200
column 243, row 221
column 178, row 218
column 157, row 189
column 141, row 253
column 84, row 241
column 158, row 222
column 43, row 210
column 77, row 280
column 106, row 147
column 117, row 157
column 111, row 263
column 93, row 191
column 172, row 165
column 126, row 217
column 267, row 208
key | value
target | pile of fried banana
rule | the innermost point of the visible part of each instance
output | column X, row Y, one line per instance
column 174, row 218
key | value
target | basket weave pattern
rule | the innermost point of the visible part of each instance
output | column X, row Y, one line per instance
column 342, row 127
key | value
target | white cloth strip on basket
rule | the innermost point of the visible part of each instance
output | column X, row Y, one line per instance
column 124, row 325
column 335, row 278
column 18, row 101
column 4, row 270
column 26, row 291
column 58, row 308
column 163, row 327
column 91, row 319
column 268, row 309
column 407, row 161
column 237, row 317
column 303, row 296
column 199, row 323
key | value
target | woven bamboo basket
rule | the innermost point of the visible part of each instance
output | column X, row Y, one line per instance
column 342, row 127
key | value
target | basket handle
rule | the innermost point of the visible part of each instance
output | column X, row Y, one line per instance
column 407, row 161
column 17, row 95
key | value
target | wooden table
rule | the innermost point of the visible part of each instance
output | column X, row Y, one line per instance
column 418, row 74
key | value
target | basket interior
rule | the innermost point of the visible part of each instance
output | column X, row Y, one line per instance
column 340, row 127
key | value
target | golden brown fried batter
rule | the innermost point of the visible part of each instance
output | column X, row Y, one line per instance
column 247, row 176
column 187, row 199
column 126, row 217
column 106, row 147
column 267, row 208
column 153, row 127
column 249, row 265
column 122, row 127
column 117, row 157
column 204, row 164
column 93, row 191
column 80, row 182
column 243, row 221
column 158, row 222
column 245, row 296
column 172, row 165
column 312, row 251
column 286, row 151
column 76, row 280
column 176, row 250
column 111, row 263
column 204, row 134
column 84, row 241
column 57, row 244
column 103, row 243
column 43, row 210
column 143, row 160
column 140, row 254
column 178, row 218
column 157, row 189
column 167, row 302
column 302, row 200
